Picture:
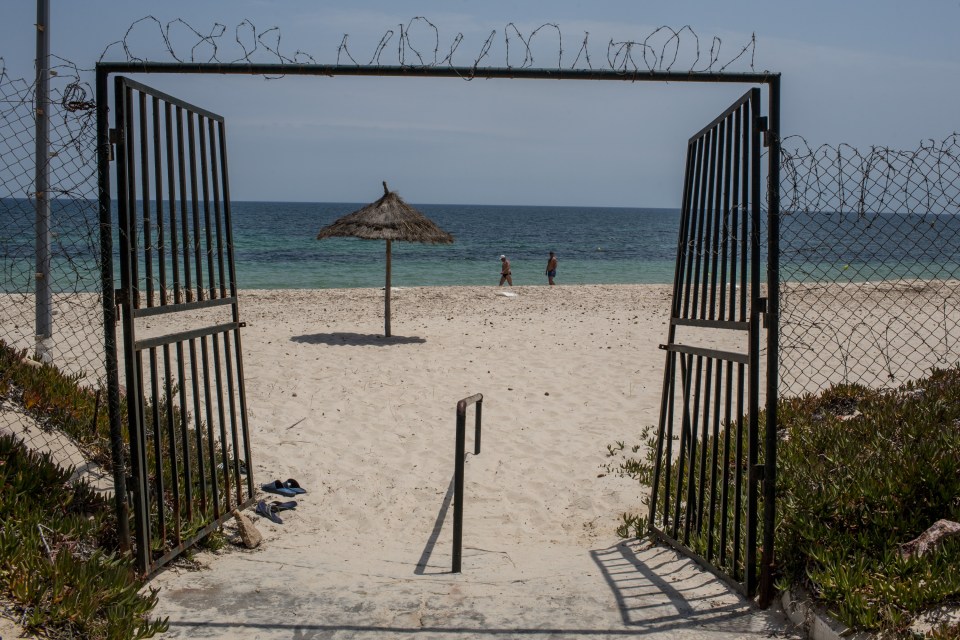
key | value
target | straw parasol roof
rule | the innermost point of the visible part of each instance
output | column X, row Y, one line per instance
column 389, row 218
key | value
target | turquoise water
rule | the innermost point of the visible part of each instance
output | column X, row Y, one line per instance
column 276, row 246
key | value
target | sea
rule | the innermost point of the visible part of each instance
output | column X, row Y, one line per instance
column 276, row 247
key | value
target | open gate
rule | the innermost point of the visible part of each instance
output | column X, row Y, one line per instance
column 707, row 473
column 186, row 413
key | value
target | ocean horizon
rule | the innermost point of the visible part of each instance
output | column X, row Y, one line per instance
column 276, row 247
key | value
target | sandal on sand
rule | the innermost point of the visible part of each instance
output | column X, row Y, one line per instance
column 268, row 512
column 276, row 505
column 278, row 487
column 294, row 486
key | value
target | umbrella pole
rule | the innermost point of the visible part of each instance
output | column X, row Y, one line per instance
column 386, row 298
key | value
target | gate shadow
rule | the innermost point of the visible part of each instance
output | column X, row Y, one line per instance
column 658, row 590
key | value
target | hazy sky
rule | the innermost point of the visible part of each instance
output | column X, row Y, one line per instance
column 864, row 72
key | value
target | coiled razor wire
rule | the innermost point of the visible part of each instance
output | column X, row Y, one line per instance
column 869, row 263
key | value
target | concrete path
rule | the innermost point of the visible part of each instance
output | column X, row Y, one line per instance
column 295, row 590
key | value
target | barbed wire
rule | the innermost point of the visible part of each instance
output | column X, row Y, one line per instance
column 869, row 263
column 663, row 49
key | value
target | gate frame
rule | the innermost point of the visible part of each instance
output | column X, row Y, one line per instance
column 772, row 141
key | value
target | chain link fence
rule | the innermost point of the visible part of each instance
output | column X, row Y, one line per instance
column 75, row 348
column 870, row 240
column 870, row 264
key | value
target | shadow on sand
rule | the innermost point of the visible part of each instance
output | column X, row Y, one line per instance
column 347, row 339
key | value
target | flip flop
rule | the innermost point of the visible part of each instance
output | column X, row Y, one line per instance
column 294, row 486
column 277, row 487
column 268, row 512
column 276, row 505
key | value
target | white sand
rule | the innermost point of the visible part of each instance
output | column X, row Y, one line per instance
column 367, row 425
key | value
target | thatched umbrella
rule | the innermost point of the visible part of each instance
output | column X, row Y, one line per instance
column 389, row 218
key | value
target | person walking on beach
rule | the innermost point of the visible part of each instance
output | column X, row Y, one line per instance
column 505, row 271
column 551, row 268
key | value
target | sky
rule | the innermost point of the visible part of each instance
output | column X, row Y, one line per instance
column 862, row 72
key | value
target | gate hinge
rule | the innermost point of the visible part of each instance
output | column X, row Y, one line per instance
column 113, row 137
column 762, row 308
column 760, row 472
column 120, row 296
column 763, row 126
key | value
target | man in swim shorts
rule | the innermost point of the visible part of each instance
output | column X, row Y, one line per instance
column 551, row 268
column 505, row 271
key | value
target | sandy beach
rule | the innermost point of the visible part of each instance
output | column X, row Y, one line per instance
column 366, row 424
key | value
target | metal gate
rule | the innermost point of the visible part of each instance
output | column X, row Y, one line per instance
column 186, row 413
column 707, row 471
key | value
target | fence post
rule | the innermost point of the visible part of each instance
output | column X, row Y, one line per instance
column 460, row 455
column 43, row 301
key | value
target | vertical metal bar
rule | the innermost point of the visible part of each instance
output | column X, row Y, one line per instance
column 211, row 438
column 717, row 201
column 158, row 200
column 668, row 461
column 745, row 185
column 738, row 479
column 202, row 477
column 134, row 405
column 172, row 204
column 234, row 439
column 221, row 421
column 184, row 416
column 683, row 244
column 194, row 204
column 735, row 214
column 205, row 194
column 171, row 454
column 145, row 197
column 184, row 219
column 476, row 428
column 715, row 453
column 704, row 441
column 458, row 485
column 700, row 212
column 215, row 180
column 686, row 433
column 386, row 297
column 741, row 542
column 710, row 233
column 43, row 286
column 724, row 207
column 692, row 452
column 117, row 447
column 235, row 307
column 692, row 227
column 773, row 343
column 131, row 288
column 724, row 498
column 754, row 408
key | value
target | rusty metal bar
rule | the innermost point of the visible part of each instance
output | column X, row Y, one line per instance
column 458, row 470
